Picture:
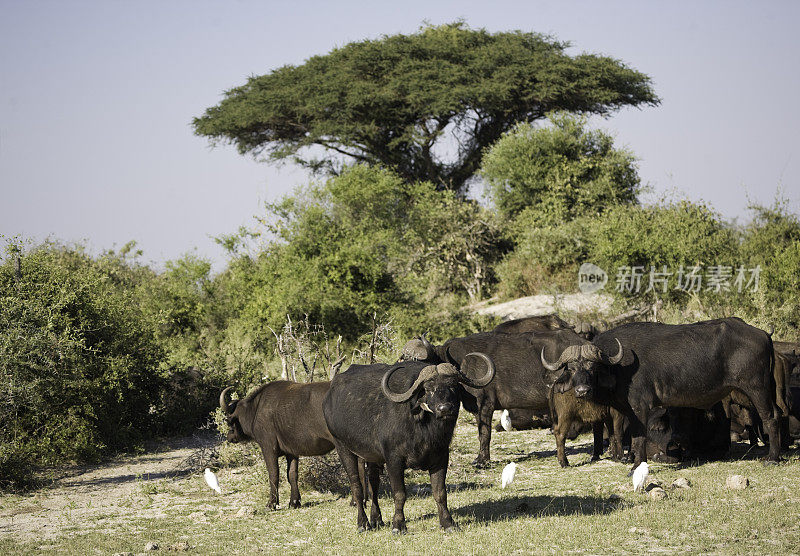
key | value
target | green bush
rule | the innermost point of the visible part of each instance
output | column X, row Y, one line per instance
column 78, row 355
column 367, row 242
column 666, row 235
column 562, row 171
column 772, row 241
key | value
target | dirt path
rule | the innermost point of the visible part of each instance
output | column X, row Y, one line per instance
column 101, row 494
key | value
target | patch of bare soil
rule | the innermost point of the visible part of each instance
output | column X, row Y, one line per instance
column 100, row 495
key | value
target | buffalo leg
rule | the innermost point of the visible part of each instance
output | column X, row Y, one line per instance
column 439, row 490
column 374, row 475
column 485, row 412
column 350, row 464
column 398, row 481
column 291, row 475
column 597, row 430
column 639, row 434
column 768, row 412
column 271, row 461
column 616, row 426
column 362, row 477
column 560, row 432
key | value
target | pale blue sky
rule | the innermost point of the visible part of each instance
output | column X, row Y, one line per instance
column 96, row 101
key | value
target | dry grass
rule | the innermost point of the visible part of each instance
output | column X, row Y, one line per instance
column 587, row 508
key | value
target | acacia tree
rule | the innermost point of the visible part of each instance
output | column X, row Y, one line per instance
column 424, row 104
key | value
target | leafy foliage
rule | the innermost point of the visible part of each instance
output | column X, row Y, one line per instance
column 559, row 172
column 78, row 356
column 367, row 242
column 665, row 234
column 398, row 101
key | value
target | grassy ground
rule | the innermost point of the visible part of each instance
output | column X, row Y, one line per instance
column 587, row 508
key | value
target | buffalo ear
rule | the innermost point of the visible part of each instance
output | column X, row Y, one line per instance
column 416, row 406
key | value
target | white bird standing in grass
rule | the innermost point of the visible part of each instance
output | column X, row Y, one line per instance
column 508, row 474
column 505, row 420
column 640, row 476
column 211, row 480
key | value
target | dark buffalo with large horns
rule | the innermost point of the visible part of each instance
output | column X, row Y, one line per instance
column 285, row 419
column 524, row 375
column 401, row 415
column 690, row 365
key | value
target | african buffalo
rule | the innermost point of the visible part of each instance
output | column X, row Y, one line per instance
column 523, row 378
column 566, row 410
column 690, row 365
column 545, row 322
column 532, row 324
column 403, row 416
column 285, row 419
column 742, row 412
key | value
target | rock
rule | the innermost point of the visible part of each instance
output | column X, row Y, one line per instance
column 151, row 546
column 737, row 482
column 657, row 493
column 246, row 511
column 681, row 482
column 182, row 546
column 198, row 516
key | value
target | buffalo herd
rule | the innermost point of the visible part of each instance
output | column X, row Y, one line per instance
column 664, row 392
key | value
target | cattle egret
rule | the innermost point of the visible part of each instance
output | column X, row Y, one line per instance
column 640, row 476
column 505, row 420
column 508, row 474
column 211, row 480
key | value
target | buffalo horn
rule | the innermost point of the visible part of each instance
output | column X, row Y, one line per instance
column 425, row 374
column 614, row 359
column 485, row 379
column 223, row 400
column 550, row 366
column 428, row 347
column 570, row 353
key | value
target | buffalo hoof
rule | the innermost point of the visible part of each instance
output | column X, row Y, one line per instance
column 401, row 530
column 377, row 524
column 479, row 463
column 294, row 504
column 364, row 528
column 451, row 529
column 272, row 506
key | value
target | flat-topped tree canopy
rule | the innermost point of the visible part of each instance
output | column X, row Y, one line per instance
column 425, row 104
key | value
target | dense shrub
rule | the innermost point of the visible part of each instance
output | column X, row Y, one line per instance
column 367, row 242
column 561, row 171
column 78, row 358
column 665, row 234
